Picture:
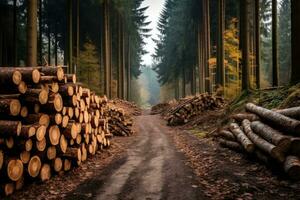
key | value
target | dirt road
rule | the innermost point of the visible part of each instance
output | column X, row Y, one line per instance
column 151, row 168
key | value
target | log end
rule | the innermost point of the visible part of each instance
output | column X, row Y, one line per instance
column 34, row 166
column 17, row 77
column 15, row 169
column 15, row 107
column 54, row 135
column 36, row 76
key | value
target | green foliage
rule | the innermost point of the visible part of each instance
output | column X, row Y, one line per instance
column 89, row 72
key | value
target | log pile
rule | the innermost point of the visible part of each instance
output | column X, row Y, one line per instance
column 159, row 108
column 119, row 123
column 273, row 136
column 130, row 108
column 49, row 124
column 192, row 106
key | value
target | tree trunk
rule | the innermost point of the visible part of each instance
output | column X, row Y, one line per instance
column 295, row 34
column 32, row 33
column 257, row 42
column 15, row 34
column 275, row 44
column 106, row 48
column 245, row 44
column 220, row 73
column 292, row 167
column 70, row 36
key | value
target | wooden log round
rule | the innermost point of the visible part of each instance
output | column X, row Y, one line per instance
column 10, row 107
column 10, row 142
column 53, row 71
column 10, row 128
column 22, row 87
column 41, row 132
column 67, row 165
column 24, row 111
column 27, row 131
column 65, row 121
column 45, row 173
column 63, row 144
column 242, row 138
column 41, row 145
column 54, row 135
column 57, row 164
column 292, row 167
column 71, row 131
column 19, row 183
column 13, row 76
column 8, row 188
column 14, row 169
column 51, row 152
column 34, row 166
column 25, row 156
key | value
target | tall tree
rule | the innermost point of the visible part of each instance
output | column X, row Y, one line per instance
column 245, row 8
column 220, row 46
column 295, row 31
column 275, row 43
column 32, row 33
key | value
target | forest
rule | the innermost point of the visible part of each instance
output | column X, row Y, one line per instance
column 150, row 99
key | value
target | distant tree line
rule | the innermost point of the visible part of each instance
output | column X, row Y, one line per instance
column 225, row 46
column 99, row 40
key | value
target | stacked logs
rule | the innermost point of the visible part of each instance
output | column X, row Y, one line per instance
column 159, row 108
column 273, row 136
column 48, row 123
column 192, row 106
column 130, row 107
column 119, row 123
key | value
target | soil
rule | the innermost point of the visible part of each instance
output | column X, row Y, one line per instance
column 161, row 162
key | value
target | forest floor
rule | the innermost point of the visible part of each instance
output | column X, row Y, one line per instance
column 161, row 162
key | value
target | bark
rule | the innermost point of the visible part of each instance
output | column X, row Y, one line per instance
column 242, row 116
column 11, row 107
column 292, row 167
column 278, row 119
column 271, row 135
column 242, row 138
column 275, row 44
column 230, row 144
column 10, row 128
column 34, row 166
column 293, row 112
column 32, row 33
column 257, row 42
column 245, row 45
column 228, row 135
column 262, row 144
column 220, row 46
column 295, row 36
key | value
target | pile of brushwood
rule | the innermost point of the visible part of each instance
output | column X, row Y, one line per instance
column 50, row 123
column 189, row 107
column 273, row 136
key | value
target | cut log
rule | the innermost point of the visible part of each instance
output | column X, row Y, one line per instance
column 51, row 152
column 65, row 121
column 27, row 131
column 272, row 150
column 56, row 119
column 53, row 71
column 293, row 112
column 54, row 135
column 67, row 165
column 41, row 132
column 25, row 156
column 242, row 138
column 8, row 188
column 24, row 111
column 14, row 169
column 63, row 144
column 25, row 145
column 10, row 128
column 57, row 164
column 41, row 145
column 10, row 142
column 41, row 118
column 73, row 153
column 36, row 96
column 295, row 147
column 230, row 144
column 271, row 135
column 1, row 159
column 54, row 104
column 45, row 173
column 278, row 119
column 66, row 90
column 241, row 116
column 34, row 166
column 71, row 131
column 29, row 74
column 70, row 78
column 10, row 107
column 9, row 77
column 292, row 167
column 19, row 183
column 227, row 135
